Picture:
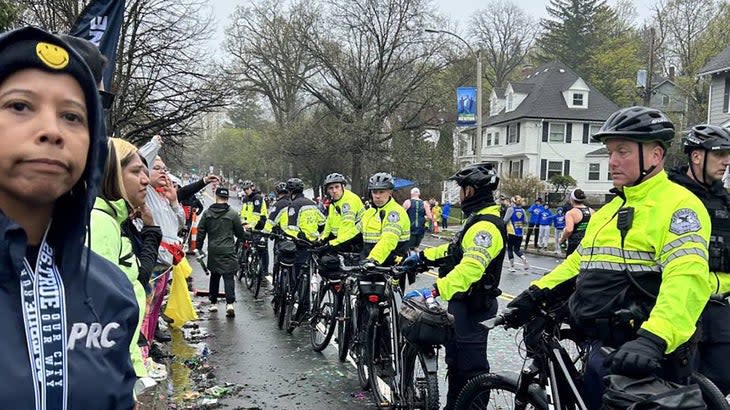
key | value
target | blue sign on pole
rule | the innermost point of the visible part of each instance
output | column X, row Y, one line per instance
column 466, row 105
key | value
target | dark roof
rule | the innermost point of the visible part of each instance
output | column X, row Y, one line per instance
column 545, row 98
column 600, row 151
column 522, row 88
column 720, row 62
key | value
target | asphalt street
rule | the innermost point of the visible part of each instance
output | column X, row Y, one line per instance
column 280, row 371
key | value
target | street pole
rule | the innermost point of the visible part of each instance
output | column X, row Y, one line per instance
column 478, row 55
column 648, row 89
column 478, row 156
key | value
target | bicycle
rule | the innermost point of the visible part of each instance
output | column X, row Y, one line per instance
column 243, row 251
column 550, row 378
column 254, row 270
column 399, row 373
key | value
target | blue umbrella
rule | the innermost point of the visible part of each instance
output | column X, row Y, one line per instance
column 401, row 183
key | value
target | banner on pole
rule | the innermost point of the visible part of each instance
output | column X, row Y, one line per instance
column 101, row 23
column 466, row 105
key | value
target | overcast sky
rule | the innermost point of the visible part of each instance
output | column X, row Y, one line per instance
column 458, row 10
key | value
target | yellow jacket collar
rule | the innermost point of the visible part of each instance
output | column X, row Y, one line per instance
column 638, row 192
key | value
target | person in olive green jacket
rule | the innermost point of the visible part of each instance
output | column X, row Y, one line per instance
column 221, row 224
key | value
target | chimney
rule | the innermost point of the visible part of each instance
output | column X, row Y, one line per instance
column 671, row 72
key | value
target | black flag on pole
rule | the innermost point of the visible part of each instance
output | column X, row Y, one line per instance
column 101, row 23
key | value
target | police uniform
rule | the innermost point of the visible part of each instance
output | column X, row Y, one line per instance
column 341, row 224
column 253, row 210
column 385, row 233
column 469, row 272
column 714, row 347
column 658, row 270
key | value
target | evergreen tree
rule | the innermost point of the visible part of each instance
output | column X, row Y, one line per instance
column 573, row 32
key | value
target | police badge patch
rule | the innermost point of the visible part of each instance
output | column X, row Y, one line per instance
column 256, row 202
column 683, row 221
column 393, row 217
column 291, row 211
column 483, row 238
column 345, row 208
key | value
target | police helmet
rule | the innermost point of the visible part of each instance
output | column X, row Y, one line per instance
column 280, row 187
column 247, row 184
column 381, row 180
column 707, row 137
column 334, row 178
column 477, row 176
column 295, row 185
column 640, row 124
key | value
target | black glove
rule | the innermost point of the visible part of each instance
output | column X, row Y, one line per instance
column 640, row 357
column 322, row 248
column 525, row 305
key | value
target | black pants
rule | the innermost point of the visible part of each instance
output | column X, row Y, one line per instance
column 513, row 246
column 466, row 355
column 228, row 283
column 415, row 240
column 444, row 222
column 530, row 228
column 714, row 346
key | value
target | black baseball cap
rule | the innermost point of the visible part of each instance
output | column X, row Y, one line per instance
column 222, row 192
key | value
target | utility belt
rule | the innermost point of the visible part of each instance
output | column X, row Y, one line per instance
column 718, row 254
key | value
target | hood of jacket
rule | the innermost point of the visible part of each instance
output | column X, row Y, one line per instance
column 71, row 213
column 218, row 210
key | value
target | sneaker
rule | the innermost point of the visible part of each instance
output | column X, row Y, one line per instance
column 142, row 384
column 512, row 265
column 229, row 310
column 527, row 265
column 156, row 371
column 213, row 308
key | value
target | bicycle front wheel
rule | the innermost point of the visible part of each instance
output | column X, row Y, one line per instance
column 382, row 364
column 421, row 387
column 256, row 268
column 344, row 327
column 497, row 391
column 712, row 396
column 324, row 317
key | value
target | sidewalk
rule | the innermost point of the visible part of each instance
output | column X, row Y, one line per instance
column 448, row 233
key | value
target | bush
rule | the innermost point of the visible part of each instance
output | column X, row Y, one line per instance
column 528, row 187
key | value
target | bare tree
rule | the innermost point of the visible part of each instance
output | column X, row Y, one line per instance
column 505, row 33
column 370, row 65
column 267, row 58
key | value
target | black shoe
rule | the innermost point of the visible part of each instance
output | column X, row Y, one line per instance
column 162, row 336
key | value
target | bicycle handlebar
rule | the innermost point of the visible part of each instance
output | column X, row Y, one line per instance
column 285, row 237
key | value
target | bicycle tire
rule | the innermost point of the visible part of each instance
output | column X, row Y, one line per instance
column 421, row 387
column 283, row 296
column 713, row 397
column 324, row 312
column 255, row 268
column 382, row 371
column 472, row 395
column 344, row 327
column 250, row 275
column 241, row 259
column 295, row 305
column 362, row 347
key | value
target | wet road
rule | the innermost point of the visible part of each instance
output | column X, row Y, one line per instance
column 280, row 371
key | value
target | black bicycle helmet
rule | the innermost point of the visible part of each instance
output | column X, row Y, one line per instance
column 640, row 124
column 280, row 188
column 381, row 180
column 477, row 176
column 334, row 178
column 247, row 184
column 707, row 137
column 295, row 186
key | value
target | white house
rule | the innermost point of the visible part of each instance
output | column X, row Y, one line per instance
column 542, row 126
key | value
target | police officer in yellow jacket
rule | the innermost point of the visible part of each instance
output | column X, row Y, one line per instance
column 470, row 268
column 385, row 226
column 344, row 212
column 708, row 151
column 644, row 253
column 253, row 216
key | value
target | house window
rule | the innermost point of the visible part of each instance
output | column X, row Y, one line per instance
column 512, row 134
column 557, row 132
column 594, row 172
column 554, row 168
column 578, row 99
column 593, row 130
column 496, row 138
column 515, row 168
column 665, row 100
column 610, row 177
column 489, row 139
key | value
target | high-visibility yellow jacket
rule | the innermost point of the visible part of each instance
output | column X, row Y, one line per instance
column 253, row 210
column 385, row 232
column 664, row 251
column 342, row 218
column 302, row 215
column 480, row 244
